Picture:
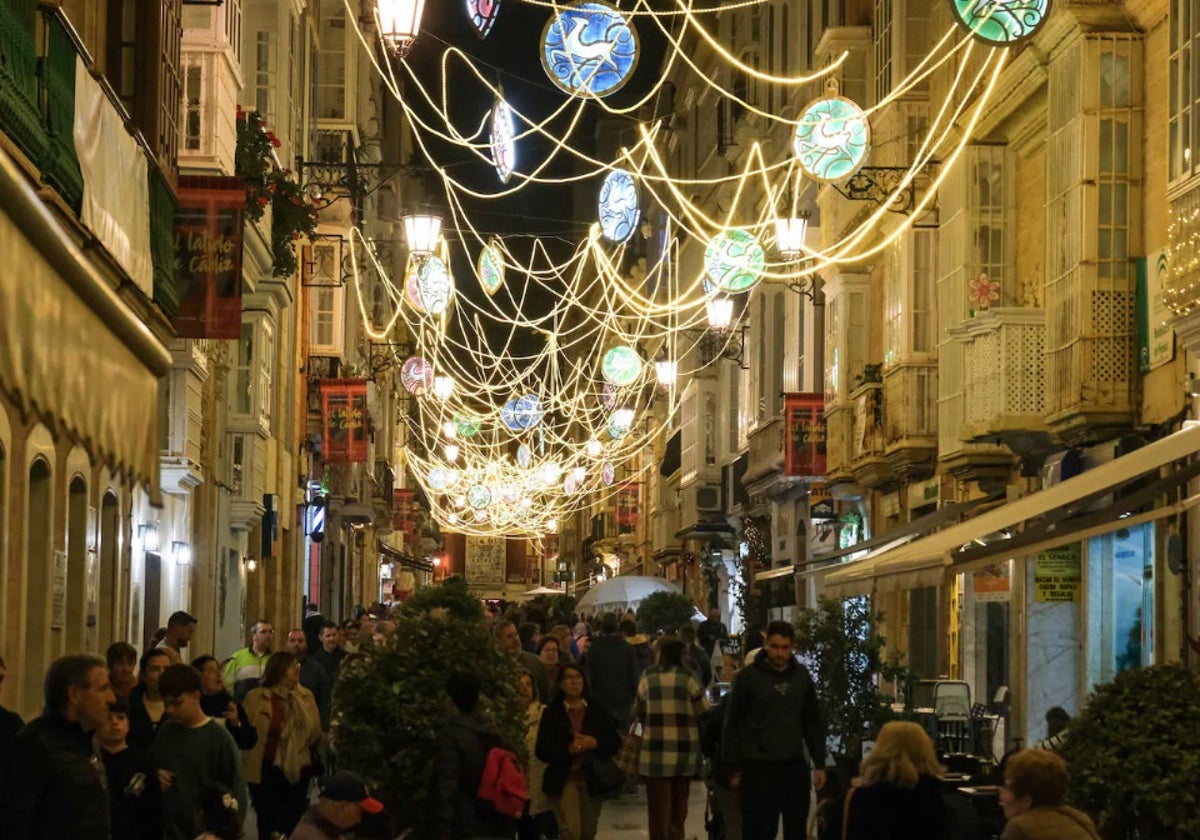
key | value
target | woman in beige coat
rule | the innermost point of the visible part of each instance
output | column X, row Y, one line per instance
column 539, row 814
column 289, row 726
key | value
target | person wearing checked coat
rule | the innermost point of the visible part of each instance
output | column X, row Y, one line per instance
column 670, row 704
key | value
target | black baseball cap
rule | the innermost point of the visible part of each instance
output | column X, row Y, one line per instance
column 348, row 787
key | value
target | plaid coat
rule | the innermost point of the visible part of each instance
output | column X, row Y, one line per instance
column 670, row 703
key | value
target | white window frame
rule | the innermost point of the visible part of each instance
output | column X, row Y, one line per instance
column 1184, row 92
column 327, row 303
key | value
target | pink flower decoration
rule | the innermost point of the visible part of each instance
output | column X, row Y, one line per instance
column 981, row 291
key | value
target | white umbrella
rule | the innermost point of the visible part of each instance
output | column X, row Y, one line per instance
column 622, row 592
column 541, row 590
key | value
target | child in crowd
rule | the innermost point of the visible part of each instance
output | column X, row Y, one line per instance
column 132, row 785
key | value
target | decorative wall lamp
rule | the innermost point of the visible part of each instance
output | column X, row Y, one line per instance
column 148, row 534
column 422, row 232
column 182, row 552
column 400, row 24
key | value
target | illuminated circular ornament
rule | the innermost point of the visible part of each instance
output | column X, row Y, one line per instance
column 521, row 413
column 438, row 479
column 481, row 516
column 608, row 397
column 412, row 292
column 490, row 268
column 479, row 497
column 621, row 365
column 832, row 138
column 504, row 140
column 467, row 426
column 483, row 15
column 416, row 375
column 435, row 286
column 570, row 485
column 589, row 49
column 735, row 260
column 619, row 423
column 1000, row 22
column 608, row 473
column 618, row 206
column 524, row 456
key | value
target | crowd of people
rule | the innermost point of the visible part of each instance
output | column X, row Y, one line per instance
column 150, row 746
column 140, row 747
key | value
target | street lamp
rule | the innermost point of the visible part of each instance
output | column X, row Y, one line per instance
column 789, row 235
column 400, row 24
column 666, row 371
column 443, row 387
column 720, row 312
column 422, row 232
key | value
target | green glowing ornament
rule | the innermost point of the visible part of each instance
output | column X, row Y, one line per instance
column 467, row 426
column 833, row 137
column 1000, row 23
column 621, row 365
column 735, row 260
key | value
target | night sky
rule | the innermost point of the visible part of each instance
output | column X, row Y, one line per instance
column 511, row 53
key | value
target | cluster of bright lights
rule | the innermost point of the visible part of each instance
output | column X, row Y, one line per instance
column 509, row 441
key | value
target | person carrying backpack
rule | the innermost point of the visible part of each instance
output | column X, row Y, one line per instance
column 476, row 784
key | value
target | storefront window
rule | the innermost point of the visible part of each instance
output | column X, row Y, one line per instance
column 1120, row 602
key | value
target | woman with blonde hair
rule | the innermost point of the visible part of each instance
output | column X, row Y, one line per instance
column 899, row 794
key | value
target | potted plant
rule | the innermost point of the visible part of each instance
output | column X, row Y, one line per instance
column 389, row 701
column 841, row 644
column 664, row 612
column 1134, row 755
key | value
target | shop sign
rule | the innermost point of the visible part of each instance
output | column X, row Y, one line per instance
column 627, row 504
column 805, row 453
column 1156, row 339
column 344, row 416
column 1058, row 575
column 208, row 257
column 992, row 585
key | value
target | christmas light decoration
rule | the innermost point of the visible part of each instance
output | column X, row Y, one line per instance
column 735, row 260
column 416, row 375
column 435, row 286
column 490, row 267
column 618, row 206
column 1000, row 22
column 503, row 140
column 589, row 49
column 483, row 14
column 832, row 137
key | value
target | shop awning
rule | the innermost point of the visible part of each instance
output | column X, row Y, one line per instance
column 947, row 513
column 1053, row 515
column 72, row 352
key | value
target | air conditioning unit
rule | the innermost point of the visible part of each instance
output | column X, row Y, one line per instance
column 708, row 498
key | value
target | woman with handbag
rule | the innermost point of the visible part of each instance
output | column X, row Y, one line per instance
column 670, row 704
column 577, row 740
column 278, row 768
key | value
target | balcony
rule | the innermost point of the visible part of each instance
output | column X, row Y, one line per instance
column 1005, row 367
column 19, row 116
column 867, row 459
column 910, row 392
column 839, row 448
column 766, row 450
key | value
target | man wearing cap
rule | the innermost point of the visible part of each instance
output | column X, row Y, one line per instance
column 343, row 800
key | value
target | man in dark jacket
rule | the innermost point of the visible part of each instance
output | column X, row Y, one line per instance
column 52, row 783
column 611, row 668
column 329, row 651
column 773, row 717
column 460, row 755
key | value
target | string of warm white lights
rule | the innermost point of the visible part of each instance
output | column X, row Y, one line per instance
column 522, row 415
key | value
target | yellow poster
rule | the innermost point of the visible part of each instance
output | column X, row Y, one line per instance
column 1058, row 575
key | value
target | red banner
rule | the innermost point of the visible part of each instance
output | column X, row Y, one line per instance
column 344, row 414
column 627, row 504
column 208, row 257
column 405, row 516
column 805, row 434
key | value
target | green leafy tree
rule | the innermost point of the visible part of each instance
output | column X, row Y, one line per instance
column 842, row 646
column 1134, row 755
column 389, row 702
column 664, row 612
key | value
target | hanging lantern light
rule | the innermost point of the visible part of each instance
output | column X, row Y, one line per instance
column 450, row 430
column 595, row 448
column 789, row 235
column 666, row 370
column 451, row 452
column 443, row 387
column 720, row 316
column 422, row 232
column 400, row 24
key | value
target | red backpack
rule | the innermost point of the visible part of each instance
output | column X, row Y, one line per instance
column 502, row 785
